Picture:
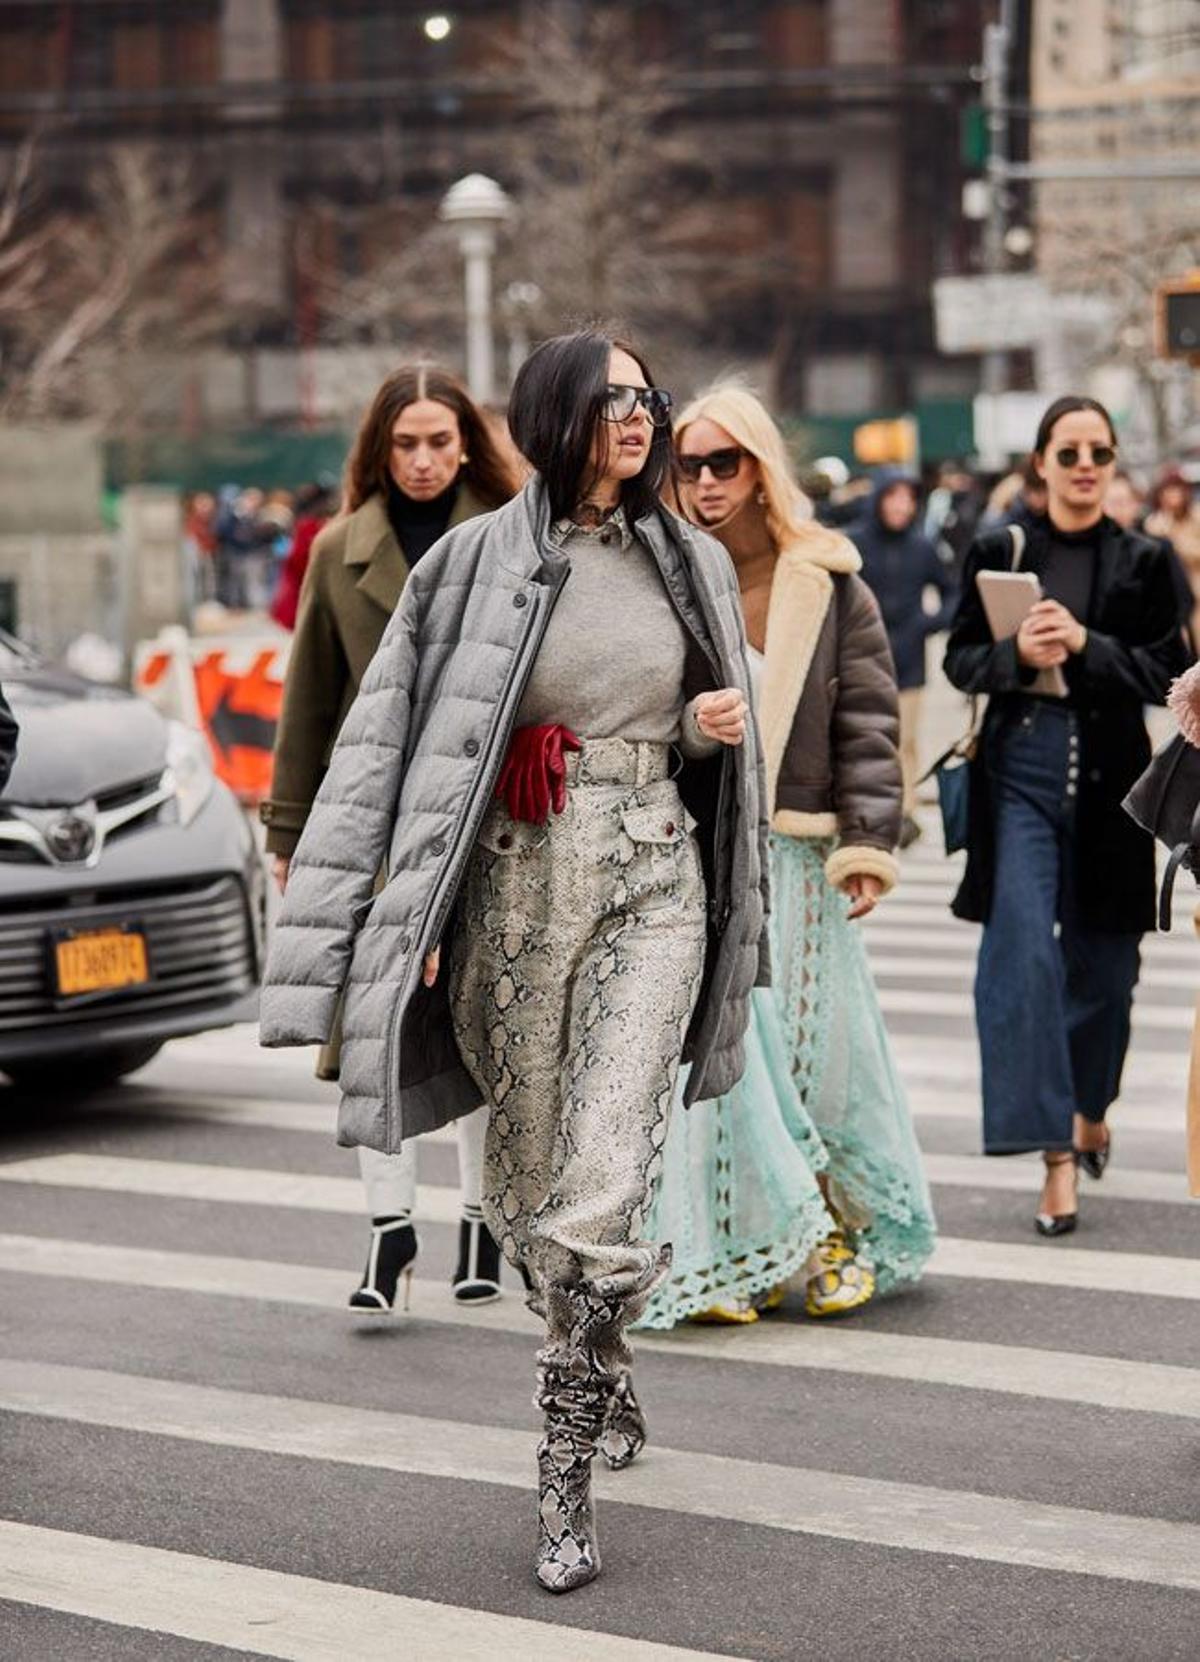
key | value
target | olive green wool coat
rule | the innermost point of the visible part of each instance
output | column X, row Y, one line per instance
column 352, row 586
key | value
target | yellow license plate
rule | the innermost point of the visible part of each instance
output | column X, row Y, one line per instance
column 101, row 960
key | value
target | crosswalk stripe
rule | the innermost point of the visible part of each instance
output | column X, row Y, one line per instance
column 1066, row 1377
column 441, row 1203
column 898, row 1001
column 1023, row 1174
column 1144, row 1274
column 798, row 1499
column 268, row 1613
column 946, row 1100
column 927, row 967
column 1177, row 953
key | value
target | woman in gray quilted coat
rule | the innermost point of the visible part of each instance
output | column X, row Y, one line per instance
column 552, row 752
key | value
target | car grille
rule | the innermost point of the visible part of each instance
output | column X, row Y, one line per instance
column 200, row 940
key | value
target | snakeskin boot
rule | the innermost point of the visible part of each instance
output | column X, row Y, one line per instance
column 575, row 1388
column 624, row 1434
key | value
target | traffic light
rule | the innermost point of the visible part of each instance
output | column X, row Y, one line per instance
column 1177, row 316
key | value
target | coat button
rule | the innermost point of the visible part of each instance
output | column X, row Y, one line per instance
column 505, row 839
column 406, row 944
column 520, row 600
column 669, row 828
column 1094, row 775
column 472, row 747
column 437, row 846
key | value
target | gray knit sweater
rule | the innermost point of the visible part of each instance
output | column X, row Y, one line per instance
column 612, row 661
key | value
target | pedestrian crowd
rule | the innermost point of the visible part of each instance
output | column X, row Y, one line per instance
column 247, row 549
column 592, row 759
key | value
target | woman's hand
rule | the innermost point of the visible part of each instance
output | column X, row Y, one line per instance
column 280, row 867
column 722, row 715
column 433, row 963
column 1049, row 635
column 864, row 894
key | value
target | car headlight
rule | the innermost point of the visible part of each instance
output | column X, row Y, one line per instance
column 189, row 769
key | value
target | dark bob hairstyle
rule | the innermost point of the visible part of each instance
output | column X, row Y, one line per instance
column 554, row 413
column 1068, row 406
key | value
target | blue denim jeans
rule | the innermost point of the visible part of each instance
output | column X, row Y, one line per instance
column 1052, row 997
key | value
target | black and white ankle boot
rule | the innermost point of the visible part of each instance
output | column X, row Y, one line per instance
column 624, row 1434
column 393, row 1251
column 477, row 1277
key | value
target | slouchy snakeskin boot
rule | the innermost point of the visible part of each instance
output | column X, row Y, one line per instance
column 624, row 1434
column 585, row 1391
column 574, row 1390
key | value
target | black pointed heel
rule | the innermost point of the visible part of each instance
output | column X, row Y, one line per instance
column 1094, row 1160
column 477, row 1277
column 393, row 1250
column 1052, row 1224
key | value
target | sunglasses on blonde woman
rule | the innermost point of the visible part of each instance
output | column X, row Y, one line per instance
column 722, row 464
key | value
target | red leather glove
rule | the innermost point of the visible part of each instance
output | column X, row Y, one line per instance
column 534, row 776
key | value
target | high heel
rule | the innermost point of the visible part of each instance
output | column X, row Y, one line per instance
column 477, row 1277
column 1051, row 1224
column 393, row 1251
column 624, row 1434
column 1094, row 1160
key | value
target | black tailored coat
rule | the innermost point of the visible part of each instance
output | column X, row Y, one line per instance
column 1135, row 647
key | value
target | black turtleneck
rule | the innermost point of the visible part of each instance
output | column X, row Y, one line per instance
column 418, row 525
column 1070, row 569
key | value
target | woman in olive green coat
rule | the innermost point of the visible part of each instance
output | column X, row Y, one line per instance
column 424, row 460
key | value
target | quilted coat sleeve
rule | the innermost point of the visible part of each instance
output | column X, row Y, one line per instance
column 343, row 845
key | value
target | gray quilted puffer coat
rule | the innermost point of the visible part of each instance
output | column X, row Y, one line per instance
column 409, row 781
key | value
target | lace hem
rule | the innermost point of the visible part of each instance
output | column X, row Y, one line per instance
column 745, row 1273
column 895, row 1230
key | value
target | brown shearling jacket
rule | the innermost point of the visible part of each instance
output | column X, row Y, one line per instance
column 829, row 711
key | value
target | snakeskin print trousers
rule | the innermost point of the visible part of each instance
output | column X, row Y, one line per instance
column 577, row 962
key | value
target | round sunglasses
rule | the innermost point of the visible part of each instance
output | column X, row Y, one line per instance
column 722, row 464
column 620, row 402
column 1067, row 455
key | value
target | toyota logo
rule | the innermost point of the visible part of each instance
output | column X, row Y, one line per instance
column 71, row 838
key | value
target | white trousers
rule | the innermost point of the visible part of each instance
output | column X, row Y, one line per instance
column 391, row 1179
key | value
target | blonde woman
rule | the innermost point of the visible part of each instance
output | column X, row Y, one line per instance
column 741, row 1215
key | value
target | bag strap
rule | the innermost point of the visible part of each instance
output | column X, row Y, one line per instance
column 962, row 749
column 1016, row 535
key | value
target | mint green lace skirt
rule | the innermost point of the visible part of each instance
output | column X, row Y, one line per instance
column 738, row 1199
column 842, row 1064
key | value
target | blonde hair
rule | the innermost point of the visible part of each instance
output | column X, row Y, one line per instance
column 746, row 419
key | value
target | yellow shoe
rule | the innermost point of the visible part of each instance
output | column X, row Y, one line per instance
column 738, row 1313
column 841, row 1284
column 771, row 1299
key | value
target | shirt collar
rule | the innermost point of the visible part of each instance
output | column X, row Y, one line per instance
column 615, row 526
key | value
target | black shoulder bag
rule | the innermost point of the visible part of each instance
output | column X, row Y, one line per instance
column 1166, row 802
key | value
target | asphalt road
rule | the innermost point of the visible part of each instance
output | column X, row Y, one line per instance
column 206, row 1456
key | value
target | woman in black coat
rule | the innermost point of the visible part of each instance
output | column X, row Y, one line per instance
column 1061, row 878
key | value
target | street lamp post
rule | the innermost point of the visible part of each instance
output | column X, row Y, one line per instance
column 476, row 206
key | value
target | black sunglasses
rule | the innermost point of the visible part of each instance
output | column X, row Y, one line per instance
column 620, row 402
column 1069, row 454
column 722, row 464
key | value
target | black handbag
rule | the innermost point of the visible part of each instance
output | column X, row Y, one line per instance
column 1165, row 801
